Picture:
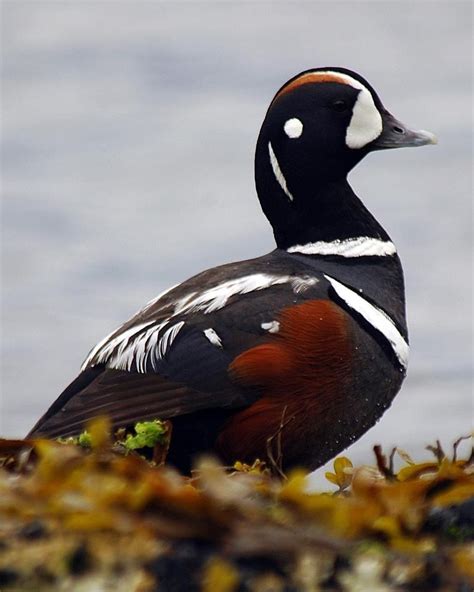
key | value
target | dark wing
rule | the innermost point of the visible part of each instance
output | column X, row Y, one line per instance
column 124, row 397
column 172, row 358
column 190, row 376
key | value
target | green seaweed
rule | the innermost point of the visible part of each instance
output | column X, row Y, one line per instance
column 147, row 435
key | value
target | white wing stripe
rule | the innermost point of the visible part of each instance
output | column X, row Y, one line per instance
column 216, row 297
column 168, row 337
column 376, row 317
column 105, row 348
column 143, row 343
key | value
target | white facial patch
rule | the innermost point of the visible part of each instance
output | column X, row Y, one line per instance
column 375, row 317
column 366, row 122
column 293, row 128
column 277, row 172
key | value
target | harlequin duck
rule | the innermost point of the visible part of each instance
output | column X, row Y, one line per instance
column 292, row 355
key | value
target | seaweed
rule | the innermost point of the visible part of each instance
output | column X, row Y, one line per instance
column 104, row 511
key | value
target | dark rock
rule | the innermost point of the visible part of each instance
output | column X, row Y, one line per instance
column 179, row 570
column 80, row 560
column 33, row 530
column 8, row 576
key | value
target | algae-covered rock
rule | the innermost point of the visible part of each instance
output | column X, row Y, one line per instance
column 100, row 513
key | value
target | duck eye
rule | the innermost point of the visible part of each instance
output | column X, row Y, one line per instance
column 339, row 105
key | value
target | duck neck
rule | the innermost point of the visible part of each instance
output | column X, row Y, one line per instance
column 327, row 213
column 307, row 198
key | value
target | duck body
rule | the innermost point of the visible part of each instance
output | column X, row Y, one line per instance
column 289, row 357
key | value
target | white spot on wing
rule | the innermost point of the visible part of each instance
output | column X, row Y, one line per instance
column 301, row 284
column 271, row 327
column 277, row 172
column 293, row 128
column 375, row 317
column 360, row 246
column 213, row 337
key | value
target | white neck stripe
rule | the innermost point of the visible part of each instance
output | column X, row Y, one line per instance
column 375, row 317
column 277, row 172
column 359, row 246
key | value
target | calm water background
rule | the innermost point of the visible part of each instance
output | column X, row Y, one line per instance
column 128, row 138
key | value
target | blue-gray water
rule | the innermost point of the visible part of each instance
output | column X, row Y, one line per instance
column 128, row 138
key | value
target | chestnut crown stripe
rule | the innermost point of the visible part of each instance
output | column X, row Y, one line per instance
column 320, row 76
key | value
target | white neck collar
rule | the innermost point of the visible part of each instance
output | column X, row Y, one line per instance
column 359, row 246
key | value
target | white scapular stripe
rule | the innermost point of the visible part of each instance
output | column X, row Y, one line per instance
column 168, row 337
column 104, row 349
column 152, row 345
column 376, row 317
column 213, row 337
column 136, row 345
column 216, row 298
column 277, row 172
column 149, row 342
column 359, row 246
column 144, row 349
column 271, row 326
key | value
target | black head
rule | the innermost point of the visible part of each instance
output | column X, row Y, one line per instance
column 320, row 124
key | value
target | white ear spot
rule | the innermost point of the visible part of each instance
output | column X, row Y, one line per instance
column 366, row 122
column 293, row 128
